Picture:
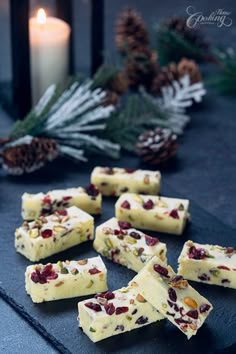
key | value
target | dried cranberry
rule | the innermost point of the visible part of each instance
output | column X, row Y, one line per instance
column 141, row 320
column 125, row 204
column 67, row 198
column 93, row 306
column 172, row 295
column 229, row 250
column 151, row 241
column 181, row 310
column 109, row 308
column 161, row 270
column 46, row 233
column 119, row 328
column 114, row 253
column 94, row 270
column 62, row 212
column 175, row 306
column 204, row 277
column 170, row 314
column 109, row 295
column 92, row 190
column 47, row 199
column 35, row 277
column 121, row 309
column 174, row 214
column 124, row 224
column 46, row 211
column 46, row 274
column 197, row 253
column 52, row 276
column 223, row 267
column 135, row 235
column 47, row 270
column 204, row 308
column 193, row 314
column 130, row 170
column 180, row 320
column 148, row 204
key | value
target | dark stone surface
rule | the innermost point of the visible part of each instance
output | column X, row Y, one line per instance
column 16, row 334
column 57, row 320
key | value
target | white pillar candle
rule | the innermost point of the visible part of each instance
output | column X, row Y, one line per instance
column 49, row 52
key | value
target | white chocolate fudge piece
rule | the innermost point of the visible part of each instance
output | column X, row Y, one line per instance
column 55, row 233
column 153, row 212
column 35, row 205
column 115, row 181
column 115, row 312
column 67, row 279
column 172, row 296
column 208, row 264
column 129, row 247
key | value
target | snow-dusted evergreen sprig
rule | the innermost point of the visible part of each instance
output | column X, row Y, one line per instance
column 72, row 117
column 175, row 99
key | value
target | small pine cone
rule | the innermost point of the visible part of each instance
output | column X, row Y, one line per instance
column 131, row 32
column 193, row 35
column 175, row 71
column 30, row 156
column 141, row 67
column 156, row 146
column 119, row 83
column 190, row 67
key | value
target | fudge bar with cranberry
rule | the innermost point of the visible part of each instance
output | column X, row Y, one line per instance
column 65, row 280
column 208, row 264
column 34, row 205
column 153, row 212
column 115, row 312
column 113, row 181
column 127, row 246
column 171, row 294
column 54, row 233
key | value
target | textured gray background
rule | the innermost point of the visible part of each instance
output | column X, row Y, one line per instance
column 206, row 166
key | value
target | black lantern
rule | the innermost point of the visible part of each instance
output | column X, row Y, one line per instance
column 16, row 97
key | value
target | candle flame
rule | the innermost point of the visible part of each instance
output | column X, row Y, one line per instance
column 41, row 16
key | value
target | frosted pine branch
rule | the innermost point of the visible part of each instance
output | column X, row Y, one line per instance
column 182, row 93
column 44, row 100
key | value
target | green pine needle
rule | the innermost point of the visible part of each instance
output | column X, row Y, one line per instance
column 225, row 80
column 137, row 115
column 171, row 46
column 103, row 75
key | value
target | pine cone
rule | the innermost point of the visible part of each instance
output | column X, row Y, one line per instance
column 141, row 67
column 193, row 35
column 28, row 157
column 119, row 83
column 175, row 71
column 131, row 32
column 156, row 146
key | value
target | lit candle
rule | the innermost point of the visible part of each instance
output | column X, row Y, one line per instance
column 49, row 52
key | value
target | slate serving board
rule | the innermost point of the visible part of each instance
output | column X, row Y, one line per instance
column 57, row 320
